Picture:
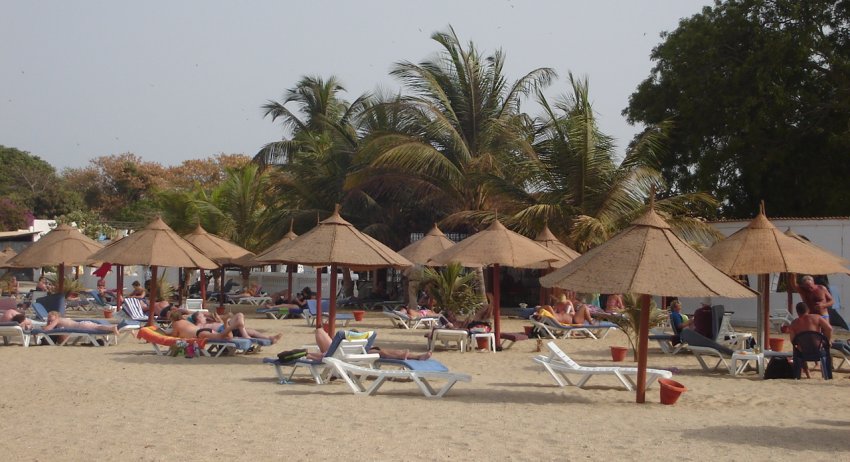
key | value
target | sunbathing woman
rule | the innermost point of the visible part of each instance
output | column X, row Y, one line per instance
column 54, row 321
column 323, row 340
column 614, row 303
column 235, row 322
column 182, row 328
column 581, row 315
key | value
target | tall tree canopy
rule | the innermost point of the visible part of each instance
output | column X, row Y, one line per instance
column 759, row 92
column 32, row 184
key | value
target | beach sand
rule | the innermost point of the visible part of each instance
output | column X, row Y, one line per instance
column 124, row 403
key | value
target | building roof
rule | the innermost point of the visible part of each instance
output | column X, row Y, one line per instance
column 10, row 234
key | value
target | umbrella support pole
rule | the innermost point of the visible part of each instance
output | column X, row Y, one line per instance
column 643, row 344
column 762, row 309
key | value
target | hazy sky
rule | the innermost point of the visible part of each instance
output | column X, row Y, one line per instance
column 176, row 80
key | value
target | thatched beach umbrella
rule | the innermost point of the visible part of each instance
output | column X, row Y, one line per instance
column 646, row 258
column 218, row 250
column 336, row 242
column 760, row 248
column 6, row 255
column 548, row 240
column 156, row 245
column 496, row 246
column 64, row 245
column 269, row 256
column 419, row 253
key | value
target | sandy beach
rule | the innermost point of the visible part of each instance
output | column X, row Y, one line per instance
column 124, row 403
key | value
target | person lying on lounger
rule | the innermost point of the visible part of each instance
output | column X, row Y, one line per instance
column 323, row 340
column 581, row 315
column 180, row 327
column 424, row 312
column 54, row 321
column 235, row 322
column 18, row 317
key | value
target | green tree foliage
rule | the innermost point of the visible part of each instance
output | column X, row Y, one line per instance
column 32, row 183
column 88, row 223
column 460, row 127
column 760, row 93
column 119, row 187
column 12, row 216
column 577, row 187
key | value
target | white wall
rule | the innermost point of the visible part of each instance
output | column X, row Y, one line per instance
column 830, row 234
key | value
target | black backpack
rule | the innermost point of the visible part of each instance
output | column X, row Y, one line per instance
column 779, row 368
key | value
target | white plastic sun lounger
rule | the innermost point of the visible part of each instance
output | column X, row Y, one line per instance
column 402, row 320
column 354, row 376
column 446, row 336
column 75, row 336
column 552, row 329
column 12, row 332
column 560, row 366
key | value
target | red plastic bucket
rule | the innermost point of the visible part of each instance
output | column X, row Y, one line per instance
column 670, row 390
column 618, row 353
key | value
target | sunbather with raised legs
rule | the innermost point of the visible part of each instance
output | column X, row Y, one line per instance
column 182, row 328
column 323, row 340
column 54, row 321
column 235, row 322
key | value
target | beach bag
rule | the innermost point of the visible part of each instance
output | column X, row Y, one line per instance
column 779, row 368
column 289, row 356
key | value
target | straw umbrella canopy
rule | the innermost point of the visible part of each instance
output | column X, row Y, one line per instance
column 496, row 246
column 760, row 248
column 646, row 258
column 269, row 256
column 6, row 255
column 548, row 240
column 421, row 251
column 156, row 245
column 218, row 250
column 64, row 245
column 336, row 242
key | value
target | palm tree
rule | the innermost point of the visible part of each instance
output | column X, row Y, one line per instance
column 576, row 186
column 311, row 165
column 460, row 126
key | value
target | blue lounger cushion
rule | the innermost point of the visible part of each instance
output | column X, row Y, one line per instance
column 416, row 365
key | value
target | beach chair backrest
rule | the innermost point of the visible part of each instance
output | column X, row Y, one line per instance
column 96, row 297
column 53, row 302
column 132, row 307
column 559, row 353
column 311, row 305
column 694, row 338
column 337, row 340
column 40, row 311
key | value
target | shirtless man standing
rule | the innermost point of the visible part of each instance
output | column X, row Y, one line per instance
column 809, row 322
column 816, row 297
